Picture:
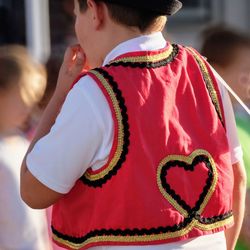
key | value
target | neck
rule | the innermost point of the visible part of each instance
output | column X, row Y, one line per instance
column 109, row 40
column 115, row 35
column 120, row 37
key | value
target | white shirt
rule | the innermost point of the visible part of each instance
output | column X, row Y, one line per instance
column 82, row 135
column 21, row 228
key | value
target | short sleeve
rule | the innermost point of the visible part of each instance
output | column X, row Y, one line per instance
column 80, row 138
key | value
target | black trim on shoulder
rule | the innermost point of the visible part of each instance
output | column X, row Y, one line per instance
column 147, row 63
column 125, row 146
column 209, row 83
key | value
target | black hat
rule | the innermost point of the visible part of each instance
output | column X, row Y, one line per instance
column 163, row 7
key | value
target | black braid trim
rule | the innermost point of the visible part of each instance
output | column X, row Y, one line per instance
column 125, row 232
column 149, row 64
column 187, row 167
column 123, row 108
column 206, row 77
column 142, row 231
column 214, row 219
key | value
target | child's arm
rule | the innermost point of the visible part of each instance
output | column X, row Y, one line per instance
column 239, row 195
column 33, row 192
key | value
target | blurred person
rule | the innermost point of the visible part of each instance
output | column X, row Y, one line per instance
column 228, row 51
column 22, row 84
column 52, row 69
column 141, row 152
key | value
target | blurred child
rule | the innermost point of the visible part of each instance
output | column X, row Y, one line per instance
column 52, row 68
column 22, row 84
column 229, row 53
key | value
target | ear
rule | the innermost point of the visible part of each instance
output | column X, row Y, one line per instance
column 97, row 10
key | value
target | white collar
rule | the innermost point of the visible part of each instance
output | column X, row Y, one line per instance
column 150, row 42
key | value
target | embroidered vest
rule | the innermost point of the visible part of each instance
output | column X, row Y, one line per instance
column 169, row 175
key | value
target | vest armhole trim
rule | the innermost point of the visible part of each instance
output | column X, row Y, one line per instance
column 120, row 145
column 209, row 84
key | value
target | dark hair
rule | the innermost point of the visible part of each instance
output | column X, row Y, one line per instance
column 220, row 44
column 127, row 16
column 52, row 66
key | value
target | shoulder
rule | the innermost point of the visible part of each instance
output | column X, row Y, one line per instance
column 87, row 87
column 89, row 95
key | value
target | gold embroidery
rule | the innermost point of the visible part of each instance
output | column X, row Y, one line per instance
column 209, row 83
column 120, row 140
column 136, row 238
column 188, row 160
column 208, row 227
column 145, row 238
column 194, row 223
column 148, row 58
column 161, row 236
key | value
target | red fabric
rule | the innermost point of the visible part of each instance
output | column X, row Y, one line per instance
column 169, row 113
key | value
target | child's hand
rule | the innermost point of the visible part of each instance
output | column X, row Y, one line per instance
column 73, row 64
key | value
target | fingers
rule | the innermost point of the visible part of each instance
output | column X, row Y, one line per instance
column 80, row 58
column 73, row 65
column 74, row 58
column 68, row 56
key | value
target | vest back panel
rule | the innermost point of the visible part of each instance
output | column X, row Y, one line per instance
column 169, row 174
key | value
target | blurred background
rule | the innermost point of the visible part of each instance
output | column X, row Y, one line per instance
column 46, row 28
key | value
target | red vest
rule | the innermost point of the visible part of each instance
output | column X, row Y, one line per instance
column 169, row 174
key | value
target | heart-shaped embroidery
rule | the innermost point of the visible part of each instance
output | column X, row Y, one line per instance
column 192, row 163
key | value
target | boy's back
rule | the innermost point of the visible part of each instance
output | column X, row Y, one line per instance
column 105, row 155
